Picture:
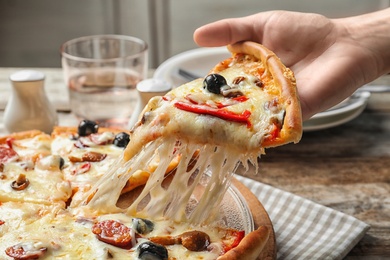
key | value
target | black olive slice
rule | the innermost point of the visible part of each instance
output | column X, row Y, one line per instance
column 152, row 251
column 87, row 127
column 122, row 139
column 214, row 82
column 143, row 226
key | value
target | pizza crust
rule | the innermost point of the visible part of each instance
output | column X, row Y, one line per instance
column 72, row 130
column 21, row 135
column 284, row 78
column 250, row 246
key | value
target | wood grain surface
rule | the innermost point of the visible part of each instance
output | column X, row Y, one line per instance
column 346, row 168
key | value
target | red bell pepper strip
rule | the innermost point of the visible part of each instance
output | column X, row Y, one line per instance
column 274, row 133
column 220, row 113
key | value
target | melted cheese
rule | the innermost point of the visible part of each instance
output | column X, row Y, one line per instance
column 221, row 143
column 46, row 186
column 77, row 173
column 30, row 147
column 177, row 202
column 67, row 237
column 185, row 199
column 167, row 132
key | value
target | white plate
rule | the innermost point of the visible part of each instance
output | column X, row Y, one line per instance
column 340, row 114
column 200, row 61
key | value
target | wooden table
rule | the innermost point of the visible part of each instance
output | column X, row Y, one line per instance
column 346, row 168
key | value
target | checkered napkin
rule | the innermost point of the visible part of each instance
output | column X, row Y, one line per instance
column 304, row 229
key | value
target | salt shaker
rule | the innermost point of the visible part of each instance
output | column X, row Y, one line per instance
column 29, row 108
column 146, row 90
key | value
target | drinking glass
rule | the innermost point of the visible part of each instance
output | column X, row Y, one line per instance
column 101, row 72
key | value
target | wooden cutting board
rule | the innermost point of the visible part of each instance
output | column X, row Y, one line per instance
column 260, row 218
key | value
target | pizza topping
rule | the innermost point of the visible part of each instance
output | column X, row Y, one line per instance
column 81, row 168
column 94, row 140
column 152, row 251
column 10, row 142
column 87, row 127
column 258, row 83
column 274, row 132
column 220, row 113
column 238, row 80
column 113, row 232
column 214, row 82
column 7, row 154
column 195, row 240
column 26, row 250
column 272, row 105
column 52, row 162
column 192, row 240
column 231, row 91
column 93, row 157
column 88, row 157
column 122, row 139
column 21, row 183
column 143, row 226
column 101, row 138
column 232, row 239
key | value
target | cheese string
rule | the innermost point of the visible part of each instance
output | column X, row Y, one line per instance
column 191, row 196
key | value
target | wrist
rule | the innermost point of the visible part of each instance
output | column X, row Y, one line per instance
column 372, row 32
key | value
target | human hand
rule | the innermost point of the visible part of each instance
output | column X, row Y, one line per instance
column 330, row 58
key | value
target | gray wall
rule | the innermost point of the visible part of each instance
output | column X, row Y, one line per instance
column 31, row 32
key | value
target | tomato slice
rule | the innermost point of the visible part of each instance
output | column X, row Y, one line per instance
column 232, row 239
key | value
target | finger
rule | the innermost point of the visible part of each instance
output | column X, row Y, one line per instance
column 225, row 32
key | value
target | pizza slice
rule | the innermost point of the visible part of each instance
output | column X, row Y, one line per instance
column 248, row 102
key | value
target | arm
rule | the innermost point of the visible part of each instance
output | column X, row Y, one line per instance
column 331, row 58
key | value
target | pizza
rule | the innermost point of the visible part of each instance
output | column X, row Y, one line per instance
column 41, row 175
column 153, row 192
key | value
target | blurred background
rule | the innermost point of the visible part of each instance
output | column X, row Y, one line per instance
column 31, row 32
